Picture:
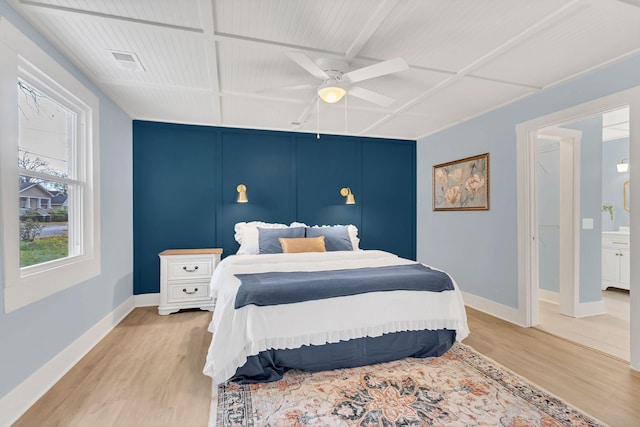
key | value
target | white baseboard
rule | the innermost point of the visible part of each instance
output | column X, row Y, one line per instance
column 147, row 300
column 549, row 296
column 586, row 309
column 583, row 309
column 493, row 308
column 21, row 398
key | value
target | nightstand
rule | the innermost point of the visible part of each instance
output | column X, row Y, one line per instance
column 184, row 279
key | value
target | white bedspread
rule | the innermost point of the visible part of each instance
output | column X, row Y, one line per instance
column 252, row 329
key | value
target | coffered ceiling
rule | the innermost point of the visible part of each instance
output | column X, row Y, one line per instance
column 227, row 62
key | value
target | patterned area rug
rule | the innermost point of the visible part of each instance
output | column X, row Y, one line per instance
column 460, row 388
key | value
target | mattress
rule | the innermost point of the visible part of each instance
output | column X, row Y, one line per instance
column 240, row 335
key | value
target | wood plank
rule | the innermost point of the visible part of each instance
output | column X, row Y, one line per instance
column 148, row 372
column 603, row 386
column 205, row 251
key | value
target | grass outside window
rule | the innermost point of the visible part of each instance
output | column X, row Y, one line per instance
column 43, row 249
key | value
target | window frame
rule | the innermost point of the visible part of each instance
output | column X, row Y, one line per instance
column 76, row 169
column 22, row 58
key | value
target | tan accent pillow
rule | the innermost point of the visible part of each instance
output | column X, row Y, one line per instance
column 302, row 244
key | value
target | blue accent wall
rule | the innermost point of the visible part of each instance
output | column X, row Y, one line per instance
column 185, row 178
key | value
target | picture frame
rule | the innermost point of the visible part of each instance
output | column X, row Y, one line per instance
column 461, row 185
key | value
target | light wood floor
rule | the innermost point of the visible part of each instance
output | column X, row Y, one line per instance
column 603, row 386
column 609, row 333
column 148, row 372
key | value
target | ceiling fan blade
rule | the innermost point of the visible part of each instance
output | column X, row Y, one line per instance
column 286, row 88
column 377, row 70
column 371, row 96
column 305, row 62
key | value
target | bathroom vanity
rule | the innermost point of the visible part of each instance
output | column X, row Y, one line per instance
column 616, row 259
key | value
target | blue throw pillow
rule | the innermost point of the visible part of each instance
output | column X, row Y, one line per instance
column 336, row 238
column 268, row 242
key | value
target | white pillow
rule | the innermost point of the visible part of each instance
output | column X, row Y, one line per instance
column 247, row 235
column 352, row 229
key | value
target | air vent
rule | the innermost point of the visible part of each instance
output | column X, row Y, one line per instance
column 127, row 60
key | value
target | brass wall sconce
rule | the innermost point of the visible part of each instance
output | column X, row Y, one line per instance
column 242, row 193
column 622, row 166
column 346, row 192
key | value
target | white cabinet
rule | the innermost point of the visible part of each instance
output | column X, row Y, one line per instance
column 184, row 279
column 616, row 263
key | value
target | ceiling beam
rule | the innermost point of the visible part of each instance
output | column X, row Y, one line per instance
column 277, row 45
column 550, row 19
column 253, row 95
column 211, row 56
column 377, row 18
column 65, row 11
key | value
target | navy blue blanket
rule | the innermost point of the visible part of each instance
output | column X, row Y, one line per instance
column 290, row 287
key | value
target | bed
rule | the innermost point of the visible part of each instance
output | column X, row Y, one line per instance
column 259, row 341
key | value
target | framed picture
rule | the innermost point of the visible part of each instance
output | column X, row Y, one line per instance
column 462, row 185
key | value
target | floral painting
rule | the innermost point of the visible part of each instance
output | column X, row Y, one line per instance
column 462, row 185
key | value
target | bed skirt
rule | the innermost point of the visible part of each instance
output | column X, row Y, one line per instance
column 270, row 365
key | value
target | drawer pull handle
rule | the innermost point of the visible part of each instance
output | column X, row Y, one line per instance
column 190, row 292
column 619, row 243
column 190, row 270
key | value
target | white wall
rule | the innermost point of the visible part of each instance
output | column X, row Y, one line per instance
column 32, row 336
column 480, row 248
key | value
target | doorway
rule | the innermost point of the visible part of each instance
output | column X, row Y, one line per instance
column 557, row 202
column 602, row 323
column 528, row 271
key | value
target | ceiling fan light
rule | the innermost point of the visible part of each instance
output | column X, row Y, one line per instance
column 331, row 93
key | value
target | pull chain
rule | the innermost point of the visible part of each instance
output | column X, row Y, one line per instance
column 318, row 112
column 346, row 127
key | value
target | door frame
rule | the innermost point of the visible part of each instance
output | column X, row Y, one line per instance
column 525, row 173
column 569, row 221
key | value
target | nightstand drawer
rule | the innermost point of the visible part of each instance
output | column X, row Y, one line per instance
column 184, row 292
column 192, row 268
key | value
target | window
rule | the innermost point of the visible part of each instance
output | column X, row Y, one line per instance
column 48, row 141
column 47, row 135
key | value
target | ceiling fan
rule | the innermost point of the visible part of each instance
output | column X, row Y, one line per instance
column 337, row 80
